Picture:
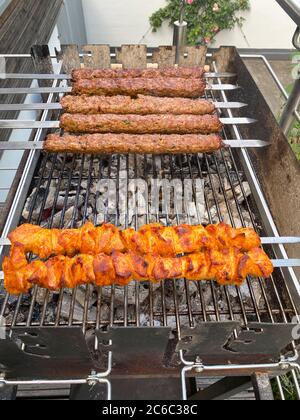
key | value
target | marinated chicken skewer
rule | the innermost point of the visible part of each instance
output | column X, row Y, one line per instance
column 150, row 239
column 142, row 105
column 181, row 72
column 228, row 267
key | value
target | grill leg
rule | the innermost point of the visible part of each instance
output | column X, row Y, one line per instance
column 134, row 389
column 223, row 389
column 146, row 389
column 8, row 393
column 262, row 387
column 88, row 393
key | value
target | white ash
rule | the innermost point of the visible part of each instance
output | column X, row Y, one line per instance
column 172, row 323
column 41, row 296
column 78, row 313
column 104, row 313
column 246, row 293
column 132, row 293
column 61, row 220
column 81, row 297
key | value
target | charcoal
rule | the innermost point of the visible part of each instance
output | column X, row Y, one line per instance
column 81, row 192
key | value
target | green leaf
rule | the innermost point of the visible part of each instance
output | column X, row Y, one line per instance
column 201, row 18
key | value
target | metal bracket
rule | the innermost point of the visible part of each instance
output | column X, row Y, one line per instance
column 227, row 342
column 48, row 355
column 142, row 350
column 44, row 353
column 248, row 347
column 263, row 339
column 207, row 340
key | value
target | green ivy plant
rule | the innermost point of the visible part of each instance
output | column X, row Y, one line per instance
column 205, row 18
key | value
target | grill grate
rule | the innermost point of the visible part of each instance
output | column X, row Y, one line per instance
column 64, row 192
column 172, row 303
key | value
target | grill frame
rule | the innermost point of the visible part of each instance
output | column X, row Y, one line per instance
column 283, row 313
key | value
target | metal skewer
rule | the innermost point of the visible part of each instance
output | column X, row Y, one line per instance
column 276, row 264
column 286, row 263
column 209, row 75
column 29, row 76
column 57, row 106
column 25, row 145
column 229, row 105
column 28, row 91
column 24, row 124
column 212, row 75
column 281, row 240
column 30, row 107
column 33, row 90
column 264, row 241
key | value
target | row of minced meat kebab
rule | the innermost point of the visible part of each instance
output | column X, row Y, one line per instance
column 153, row 111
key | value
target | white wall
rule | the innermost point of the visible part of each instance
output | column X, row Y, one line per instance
column 117, row 22
column 71, row 23
column 266, row 26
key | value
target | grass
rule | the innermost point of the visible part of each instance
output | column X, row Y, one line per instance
column 288, row 388
column 294, row 135
column 296, row 149
column 294, row 139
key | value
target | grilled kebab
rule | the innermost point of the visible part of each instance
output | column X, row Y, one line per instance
column 228, row 266
column 172, row 87
column 152, row 239
column 181, row 72
column 141, row 124
column 155, row 144
column 142, row 105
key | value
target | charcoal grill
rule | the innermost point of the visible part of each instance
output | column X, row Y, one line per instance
column 145, row 331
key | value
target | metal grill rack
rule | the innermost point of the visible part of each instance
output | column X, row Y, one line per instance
column 92, row 170
column 175, row 304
